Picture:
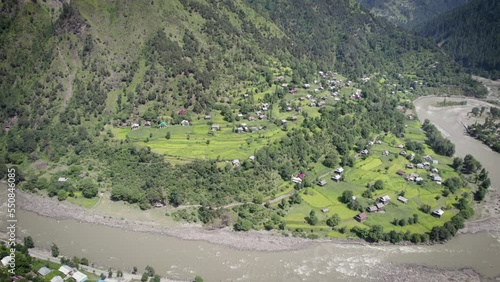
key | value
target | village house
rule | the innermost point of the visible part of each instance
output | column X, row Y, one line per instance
column 435, row 170
column 400, row 172
column 385, row 153
column 215, row 127
column 410, row 157
column 158, row 204
column 336, row 177
column 181, row 111
column 163, row 124
column 239, row 129
column 428, row 158
column 65, row 269
column 6, row 260
column 236, row 163
column 251, row 118
column 253, row 129
column 402, row 153
column 43, row 271
column 62, row 179
column 409, row 166
column 421, row 166
column 325, row 210
column 289, row 109
column 79, row 277
column 401, row 146
column 322, row 182
column 364, row 152
column 435, row 162
column 339, row 170
column 147, row 123
column 378, row 142
column 207, row 117
column 57, row 279
column 306, row 86
column 261, row 117
column 252, row 158
column 438, row 213
column 293, row 91
column 283, row 121
column 380, row 206
column 184, row 122
column 385, row 199
column 302, row 98
column 419, row 179
column 293, row 118
column 134, row 126
column 361, row 217
column 296, row 179
column 371, row 209
column 284, row 85
column 402, row 199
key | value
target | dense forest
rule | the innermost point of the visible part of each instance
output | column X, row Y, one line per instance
column 411, row 13
column 470, row 35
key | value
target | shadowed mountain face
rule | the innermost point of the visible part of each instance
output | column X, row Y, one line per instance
column 411, row 13
column 471, row 35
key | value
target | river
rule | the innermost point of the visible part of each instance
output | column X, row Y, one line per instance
column 183, row 259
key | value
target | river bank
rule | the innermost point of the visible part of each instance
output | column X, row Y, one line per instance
column 450, row 121
column 253, row 240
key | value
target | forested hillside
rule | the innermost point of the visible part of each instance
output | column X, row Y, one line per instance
column 471, row 35
column 411, row 13
column 94, row 94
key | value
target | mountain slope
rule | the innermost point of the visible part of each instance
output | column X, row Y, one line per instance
column 471, row 34
column 411, row 13
column 75, row 77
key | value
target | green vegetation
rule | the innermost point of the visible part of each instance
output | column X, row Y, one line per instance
column 410, row 13
column 488, row 131
column 445, row 103
column 470, row 35
column 98, row 106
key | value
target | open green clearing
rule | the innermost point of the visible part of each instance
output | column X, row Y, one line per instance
column 374, row 167
column 197, row 140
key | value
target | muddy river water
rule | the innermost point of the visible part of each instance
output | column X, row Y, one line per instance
column 182, row 259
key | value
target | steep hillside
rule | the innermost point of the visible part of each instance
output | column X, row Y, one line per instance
column 471, row 34
column 76, row 78
column 411, row 13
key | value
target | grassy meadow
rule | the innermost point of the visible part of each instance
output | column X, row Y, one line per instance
column 368, row 170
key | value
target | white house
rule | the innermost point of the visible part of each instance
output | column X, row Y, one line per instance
column 44, row 271
column 6, row 260
column 438, row 213
column 339, row 170
column 79, row 277
column 62, row 179
column 184, row 123
column 135, row 126
column 57, row 279
column 65, row 269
